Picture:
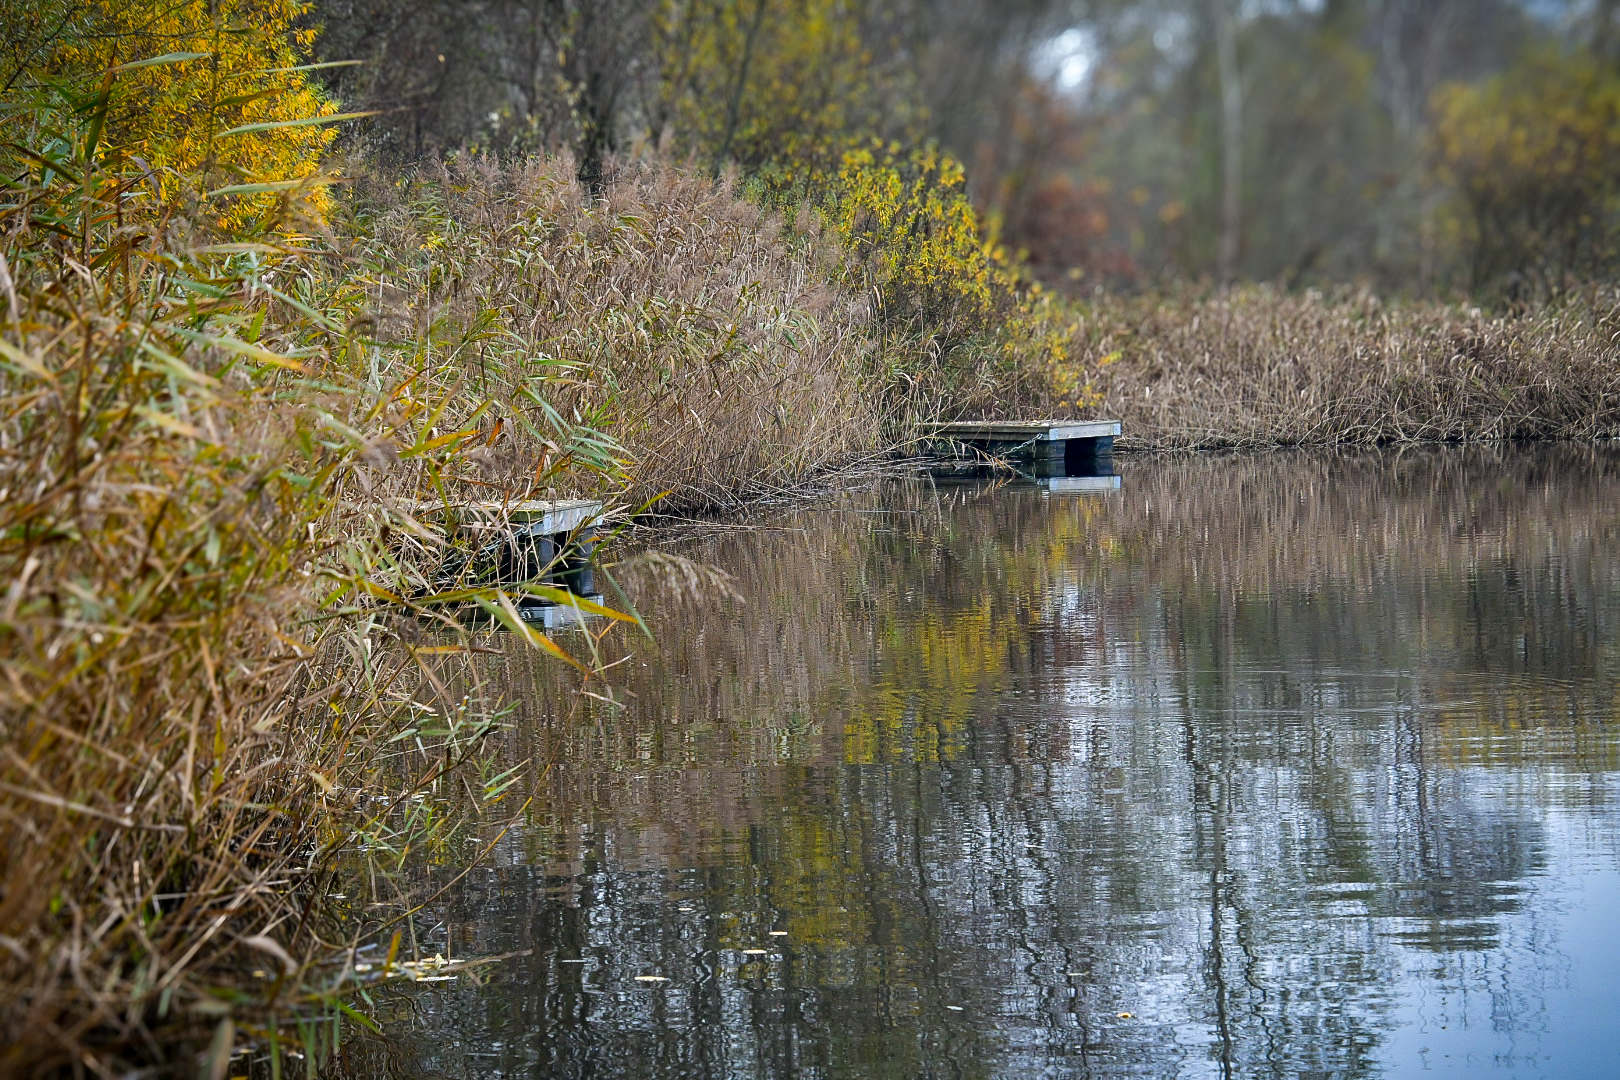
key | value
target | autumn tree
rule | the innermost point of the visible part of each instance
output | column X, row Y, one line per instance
column 1534, row 155
column 198, row 91
column 783, row 82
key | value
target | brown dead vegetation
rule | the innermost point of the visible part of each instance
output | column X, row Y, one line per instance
column 1256, row 367
column 699, row 330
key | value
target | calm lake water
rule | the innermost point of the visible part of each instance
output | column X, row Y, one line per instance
column 1285, row 765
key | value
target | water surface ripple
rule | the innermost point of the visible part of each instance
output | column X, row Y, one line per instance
column 1285, row 765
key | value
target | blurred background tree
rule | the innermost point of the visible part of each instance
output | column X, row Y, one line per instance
column 1534, row 156
column 1416, row 146
column 218, row 93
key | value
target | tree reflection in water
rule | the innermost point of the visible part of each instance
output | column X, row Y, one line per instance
column 1258, row 751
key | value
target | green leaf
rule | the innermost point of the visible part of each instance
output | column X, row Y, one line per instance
column 358, row 1017
column 271, row 185
column 166, row 58
column 178, row 367
column 241, row 348
column 300, row 67
column 276, row 125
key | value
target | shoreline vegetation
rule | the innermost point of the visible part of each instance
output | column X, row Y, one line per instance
column 1254, row 367
column 234, row 361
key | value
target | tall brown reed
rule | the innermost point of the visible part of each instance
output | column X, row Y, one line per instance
column 1258, row 367
column 200, row 461
column 698, row 329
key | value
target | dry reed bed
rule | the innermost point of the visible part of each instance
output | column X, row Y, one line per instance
column 1257, row 367
column 696, row 329
column 201, row 700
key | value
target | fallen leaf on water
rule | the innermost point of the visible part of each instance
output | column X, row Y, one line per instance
column 1126, row 1016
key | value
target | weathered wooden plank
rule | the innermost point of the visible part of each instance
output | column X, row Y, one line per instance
column 538, row 517
column 1022, row 431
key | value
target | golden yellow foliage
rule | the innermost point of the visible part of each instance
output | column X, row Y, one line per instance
column 780, row 85
column 915, row 242
column 229, row 102
column 1535, row 156
column 908, row 222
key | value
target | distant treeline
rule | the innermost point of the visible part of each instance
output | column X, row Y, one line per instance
column 1422, row 146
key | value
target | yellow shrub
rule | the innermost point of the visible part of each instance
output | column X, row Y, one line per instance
column 913, row 232
column 985, row 335
column 1534, row 155
column 229, row 65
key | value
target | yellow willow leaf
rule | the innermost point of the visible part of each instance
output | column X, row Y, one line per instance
column 241, row 348
column 507, row 614
column 170, row 423
column 565, row 598
column 166, row 58
column 271, row 185
column 434, row 444
column 379, row 592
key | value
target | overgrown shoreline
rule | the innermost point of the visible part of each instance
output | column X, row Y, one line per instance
column 217, row 436
column 1256, row 367
column 228, row 674
column 206, row 667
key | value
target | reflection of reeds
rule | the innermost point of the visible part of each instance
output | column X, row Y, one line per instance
column 1264, row 523
column 888, row 627
column 1255, row 367
column 1243, row 685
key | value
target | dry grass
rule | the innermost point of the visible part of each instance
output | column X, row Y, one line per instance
column 696, row 329
column 203, row 704
column 1256, row 367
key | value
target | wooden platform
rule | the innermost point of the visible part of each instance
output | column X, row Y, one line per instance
column 509, row 543
column 1073, row 442
column 1021, row 431
column 532, row 517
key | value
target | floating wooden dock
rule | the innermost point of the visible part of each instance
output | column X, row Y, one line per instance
column 550, row 541
column 530, row 517
column 1078, row 444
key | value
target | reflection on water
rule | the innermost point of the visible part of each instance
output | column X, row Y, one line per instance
column 1288, row 765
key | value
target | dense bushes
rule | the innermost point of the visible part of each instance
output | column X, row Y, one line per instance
column 963, row 331
column 705, row 334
